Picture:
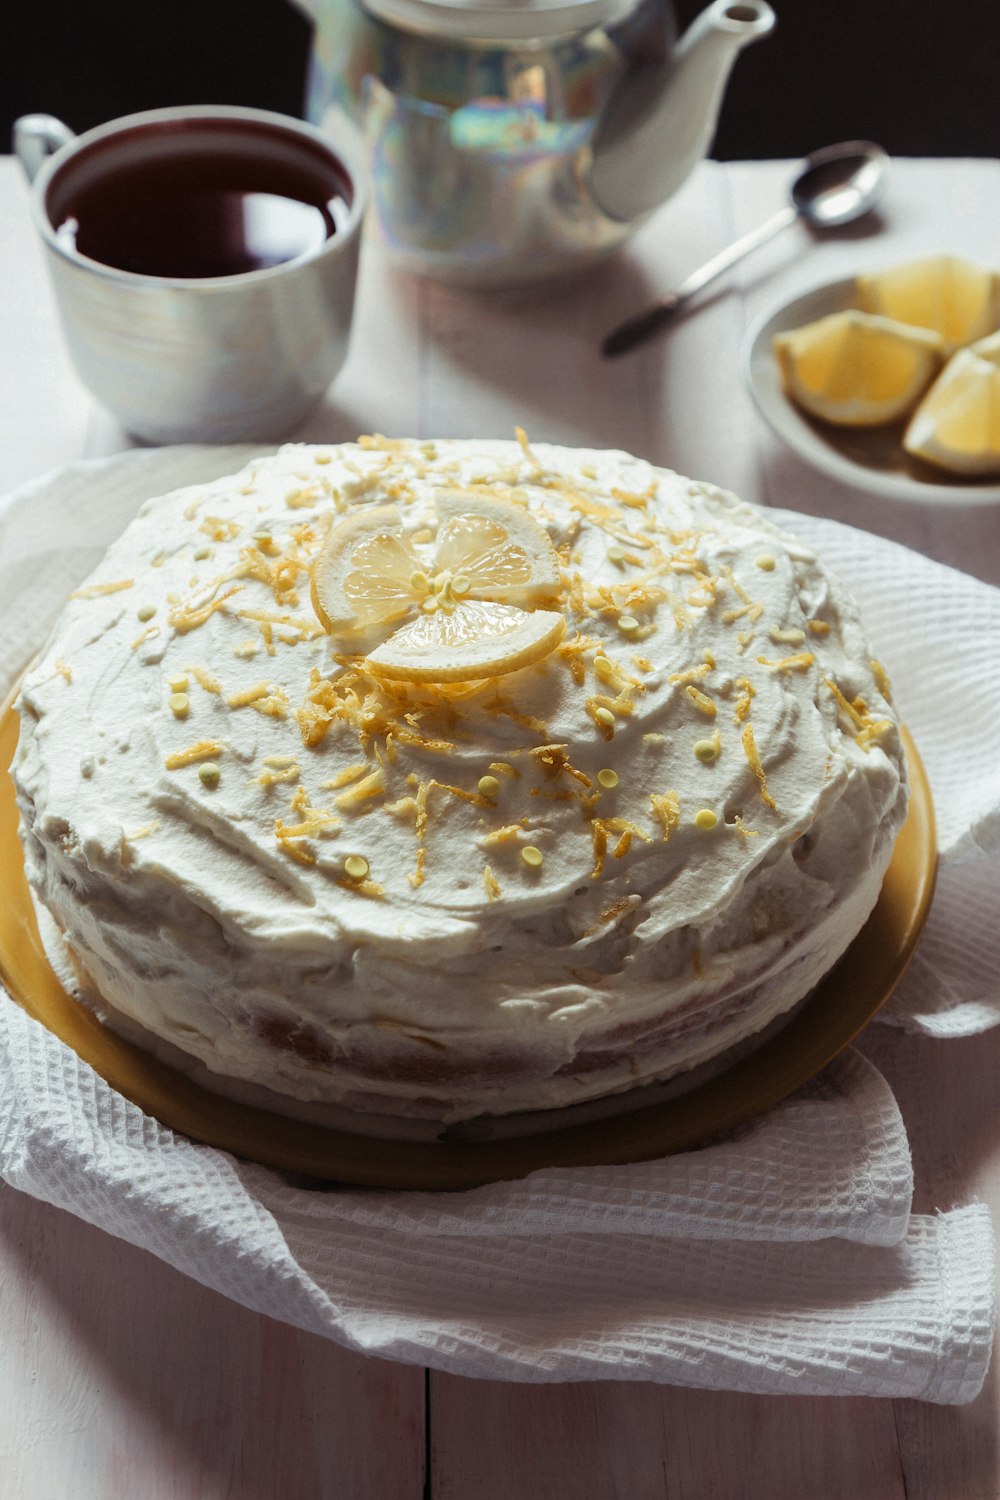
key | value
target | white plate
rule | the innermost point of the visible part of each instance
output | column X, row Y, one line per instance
column 870, row 458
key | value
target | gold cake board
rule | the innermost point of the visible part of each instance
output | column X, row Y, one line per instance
column 837, row 1010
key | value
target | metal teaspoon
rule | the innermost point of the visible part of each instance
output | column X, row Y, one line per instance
column 834, row 186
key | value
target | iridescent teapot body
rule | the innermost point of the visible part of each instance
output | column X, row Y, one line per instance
column 515, row 141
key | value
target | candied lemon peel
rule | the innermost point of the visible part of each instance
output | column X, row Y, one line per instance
column 464, row 600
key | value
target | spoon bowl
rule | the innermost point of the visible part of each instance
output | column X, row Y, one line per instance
column 840, row 183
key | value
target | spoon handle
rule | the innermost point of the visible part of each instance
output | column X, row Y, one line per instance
column 636, row 330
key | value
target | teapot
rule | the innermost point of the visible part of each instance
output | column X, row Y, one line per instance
column 514, row 140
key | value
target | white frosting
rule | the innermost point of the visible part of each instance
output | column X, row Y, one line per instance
column 451, row 996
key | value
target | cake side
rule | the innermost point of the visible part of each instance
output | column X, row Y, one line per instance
column 711, row 669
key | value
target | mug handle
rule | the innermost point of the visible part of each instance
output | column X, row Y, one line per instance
column 37, row 137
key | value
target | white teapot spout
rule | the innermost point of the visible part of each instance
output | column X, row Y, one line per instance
column 659, row 122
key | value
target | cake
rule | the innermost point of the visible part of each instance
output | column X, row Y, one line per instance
column 422, row 782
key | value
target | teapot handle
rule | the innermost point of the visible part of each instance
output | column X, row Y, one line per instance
column 36, row 138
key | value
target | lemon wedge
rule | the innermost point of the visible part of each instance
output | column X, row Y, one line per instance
column 477, row 639
column 957, row 425
column 954, row 297
column 462, row 595
column 857, row 369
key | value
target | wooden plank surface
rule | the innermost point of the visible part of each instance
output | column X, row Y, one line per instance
column 611, row 1441
column 118, row 1377
column 44, row 410
column 121, row 1379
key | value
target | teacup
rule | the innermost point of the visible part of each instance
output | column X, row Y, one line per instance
column 204, row 262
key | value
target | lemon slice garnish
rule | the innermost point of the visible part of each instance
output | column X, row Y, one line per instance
column 362, row 575
column 503, row 552
column 957, row 425
column 477, row 639
column 463, row 596
column 857, row 369
column 954, row 297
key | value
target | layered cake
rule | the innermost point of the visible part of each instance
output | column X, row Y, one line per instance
column 430, row 781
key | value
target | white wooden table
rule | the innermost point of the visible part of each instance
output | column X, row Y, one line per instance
column 121, row 1379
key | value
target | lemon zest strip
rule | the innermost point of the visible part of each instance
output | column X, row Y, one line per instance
column 201, row 750
column 756, row 764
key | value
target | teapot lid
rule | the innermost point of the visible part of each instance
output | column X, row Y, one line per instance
column 498, row 20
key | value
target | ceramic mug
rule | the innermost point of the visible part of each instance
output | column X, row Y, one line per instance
column 186, row 338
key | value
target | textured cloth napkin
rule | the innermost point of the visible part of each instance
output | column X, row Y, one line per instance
column 784, row 1259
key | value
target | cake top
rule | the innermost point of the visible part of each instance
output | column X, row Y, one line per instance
column 562, row 692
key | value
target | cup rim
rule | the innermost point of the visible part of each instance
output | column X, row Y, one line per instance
column 346, row 150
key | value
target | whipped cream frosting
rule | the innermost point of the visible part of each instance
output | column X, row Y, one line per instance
column 200, row 765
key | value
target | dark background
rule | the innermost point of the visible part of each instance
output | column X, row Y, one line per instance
column 922, row 77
